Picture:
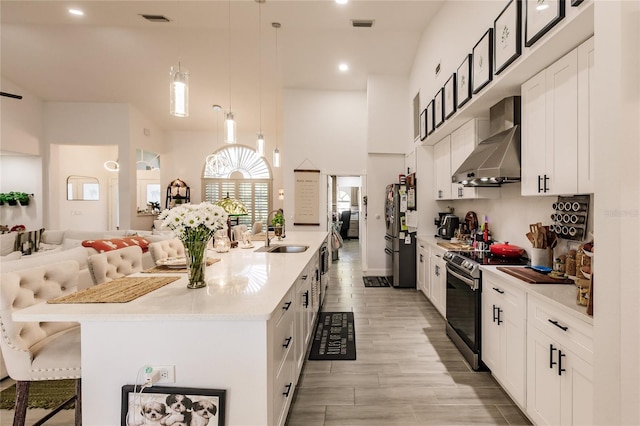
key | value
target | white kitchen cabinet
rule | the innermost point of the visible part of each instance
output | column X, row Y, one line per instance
column 442, row 168
column 422, row 268
column 559, row 367
column 282, row 328
column 557, row 148
column 304, row 316
column 438, row 280
column 504, row 335
column 586, row 105
column 463, row 141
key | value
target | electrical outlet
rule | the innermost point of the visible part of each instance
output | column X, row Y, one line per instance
column 166, row 373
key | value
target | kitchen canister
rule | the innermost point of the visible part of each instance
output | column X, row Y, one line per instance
column 541, row 257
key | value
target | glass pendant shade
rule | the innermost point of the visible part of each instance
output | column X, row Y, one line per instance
column 260, row 145
column 276, row 158
column 179, row 92
column 230, row 129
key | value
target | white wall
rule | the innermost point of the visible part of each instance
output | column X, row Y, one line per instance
column 80, row 160
column 324, row 130
column 22, row 173
column 21, row 119
column 389, row 114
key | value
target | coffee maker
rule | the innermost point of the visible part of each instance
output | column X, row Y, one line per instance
column 448, row 225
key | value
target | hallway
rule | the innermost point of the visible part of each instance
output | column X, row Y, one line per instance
column 407, row 370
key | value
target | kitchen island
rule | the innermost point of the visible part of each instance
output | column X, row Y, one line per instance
column 229, row 335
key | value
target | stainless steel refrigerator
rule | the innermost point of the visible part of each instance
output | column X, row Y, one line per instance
column 400, row 244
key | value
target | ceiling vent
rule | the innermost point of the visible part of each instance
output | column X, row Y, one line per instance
column 362, row 23
column 155, row 18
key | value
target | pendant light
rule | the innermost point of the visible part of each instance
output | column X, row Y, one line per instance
column 179, row 91
column 217, row 164
column 260, row 139
column 276, row 152
column 230, row 123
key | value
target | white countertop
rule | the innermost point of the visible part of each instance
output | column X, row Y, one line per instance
column 244, row 285
column 561, row 295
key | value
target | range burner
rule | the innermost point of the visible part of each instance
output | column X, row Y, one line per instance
column 470, row 261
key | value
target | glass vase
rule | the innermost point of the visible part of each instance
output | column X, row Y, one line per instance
column 195, row 252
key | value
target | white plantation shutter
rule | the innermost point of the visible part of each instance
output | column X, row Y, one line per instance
column 254, row 190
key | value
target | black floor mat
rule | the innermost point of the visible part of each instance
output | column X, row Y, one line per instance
column 334, row 338
column 375, row 281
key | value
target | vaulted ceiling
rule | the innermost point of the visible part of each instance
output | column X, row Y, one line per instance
column 113, row 54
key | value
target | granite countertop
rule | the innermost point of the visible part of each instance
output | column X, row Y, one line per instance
column 245, row 285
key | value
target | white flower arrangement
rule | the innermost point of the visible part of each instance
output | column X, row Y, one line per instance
column 193, row 222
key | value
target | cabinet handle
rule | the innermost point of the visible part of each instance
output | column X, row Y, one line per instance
column 546, row 178
column 498, row 290
column 499, row 319
column 421, row 259
column 494, row 313
column 306, row 299
column 437, row 271
column 304, row 277
column 562, row 327
column 288, row 391
column 287, row 342
column 560, row 369
column 539, row 184
column 439, row 193
column 551, row 350
column 286, row 306
column 459, row 192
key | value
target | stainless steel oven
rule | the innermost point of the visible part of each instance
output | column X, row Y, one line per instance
column 464, row 297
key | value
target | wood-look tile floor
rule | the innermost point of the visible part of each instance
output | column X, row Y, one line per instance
column 407, row 370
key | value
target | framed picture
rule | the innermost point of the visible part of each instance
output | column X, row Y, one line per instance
column 416, row 116
column 463, row 82
column 482, row 60
column 507, row 40
column 450, row 96
column 438, row 108
column 172, row 405
column 423, row 124
column 541, row 16
column 430, row 126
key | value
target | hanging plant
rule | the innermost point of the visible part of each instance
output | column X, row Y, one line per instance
column 22, row 198
column 11, row 199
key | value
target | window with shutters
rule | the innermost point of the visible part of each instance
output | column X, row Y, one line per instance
column 239, row 172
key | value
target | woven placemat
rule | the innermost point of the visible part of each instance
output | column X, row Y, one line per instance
column 161, row 269
column 120, row 290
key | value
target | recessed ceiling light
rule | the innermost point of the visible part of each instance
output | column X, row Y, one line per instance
column 342, row 1
column 76, row 12
column 343, row 67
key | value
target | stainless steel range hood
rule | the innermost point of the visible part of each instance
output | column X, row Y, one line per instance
column 496, row 160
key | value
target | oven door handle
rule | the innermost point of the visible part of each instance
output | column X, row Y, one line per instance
column 470, row 282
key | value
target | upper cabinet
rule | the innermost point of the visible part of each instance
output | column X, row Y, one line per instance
column 553, row 159
column 586, row 94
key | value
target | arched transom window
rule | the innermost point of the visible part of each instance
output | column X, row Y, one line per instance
column 239, row 172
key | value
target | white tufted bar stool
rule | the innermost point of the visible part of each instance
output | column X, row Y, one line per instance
column 36, row 351
column 166, row 249
column 108, row 266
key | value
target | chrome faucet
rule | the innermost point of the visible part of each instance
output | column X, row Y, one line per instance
column 268, row 222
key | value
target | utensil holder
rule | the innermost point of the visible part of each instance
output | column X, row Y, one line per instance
column 541, row 257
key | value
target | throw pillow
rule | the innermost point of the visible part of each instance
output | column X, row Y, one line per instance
column 117, row 243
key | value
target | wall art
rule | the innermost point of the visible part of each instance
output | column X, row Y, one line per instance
column 438, row 108
column 463, row 82
column 450, row 96
column 482, row 61
column 541, row 16
column 507, row 40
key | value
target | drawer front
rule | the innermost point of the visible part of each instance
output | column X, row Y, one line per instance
column 283, row 339
column 509, row 297
column 567, row 330
column 283, row 388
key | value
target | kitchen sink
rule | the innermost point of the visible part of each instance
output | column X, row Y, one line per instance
column 283, row 249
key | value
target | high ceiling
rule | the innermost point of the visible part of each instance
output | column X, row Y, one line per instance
column 112, row 54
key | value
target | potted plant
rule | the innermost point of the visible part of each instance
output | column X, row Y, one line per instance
column 278, row 224
column 3, row 198
column 22, row 198
column 11, row 199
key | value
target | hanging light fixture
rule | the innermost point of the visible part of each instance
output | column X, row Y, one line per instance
column 217, row 164
column 260, row 139
column 179, row 91
column 230, row 123
column 276, row 152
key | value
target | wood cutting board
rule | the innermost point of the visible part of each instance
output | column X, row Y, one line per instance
column 531, row 276
column 455, row 246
